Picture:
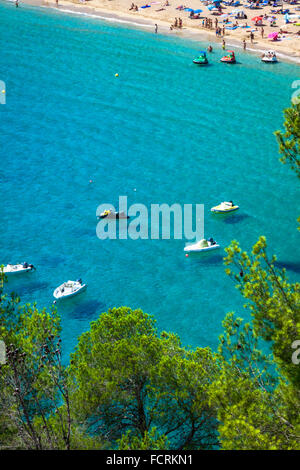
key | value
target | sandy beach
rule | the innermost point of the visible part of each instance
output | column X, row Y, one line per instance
column 287, row 46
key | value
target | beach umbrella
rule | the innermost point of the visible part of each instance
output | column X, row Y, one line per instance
column 198, row 11
column 257, row 18
column 273, row 36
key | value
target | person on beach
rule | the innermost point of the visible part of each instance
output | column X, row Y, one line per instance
column 244, row 44
column 156, row 28
column 223, row 30
column 176, row 23
column 180, row 22
column 17, row 3
column 223, row 45
column 251, row 37
column 262, row 33
column 56, row 2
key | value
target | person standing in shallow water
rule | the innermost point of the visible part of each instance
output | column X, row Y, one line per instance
column 17, row 3
column 156, row 28
column 244, row 44
column 223, row 44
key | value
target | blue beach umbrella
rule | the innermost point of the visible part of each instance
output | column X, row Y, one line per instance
column 198, row 11
column 188, row 9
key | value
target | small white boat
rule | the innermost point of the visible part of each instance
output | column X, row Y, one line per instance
column 269, row 56
column 109, row 214
column 202, row 245
column 225, row 207
column 18, row 268
column 68, row 289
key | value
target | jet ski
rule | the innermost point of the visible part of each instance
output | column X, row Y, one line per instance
column 109, row 214
column 229, row 58
column 202, row 245
column 18, row 268
column 201, row 59
column 225, row 207
column 269, row 57
column 69, row 289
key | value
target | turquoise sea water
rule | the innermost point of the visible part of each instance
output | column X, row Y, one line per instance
column 173, row 131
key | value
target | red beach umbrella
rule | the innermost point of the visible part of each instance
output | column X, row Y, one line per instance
column 257, row 18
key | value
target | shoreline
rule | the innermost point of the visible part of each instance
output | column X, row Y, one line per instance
column 147, row 22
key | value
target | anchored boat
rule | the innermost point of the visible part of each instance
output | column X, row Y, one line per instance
column 202, row 245
column 109, row 214
column 225, row 207
column 18, row 268
column 69, row 289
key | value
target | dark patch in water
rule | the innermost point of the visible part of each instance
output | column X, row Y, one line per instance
column 85, row 232
column 235, row 219
column 52, row 261
column 31, row 288
column 288, row 265
column 69, row 205
column 205, row 259
column 211, row 260
column 88, row 309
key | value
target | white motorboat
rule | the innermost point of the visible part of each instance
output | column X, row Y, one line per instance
column 269, row 56
column 69, row 289
column 109, row 214
column 18, row 268
column 225, row 207
column 202, row 245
